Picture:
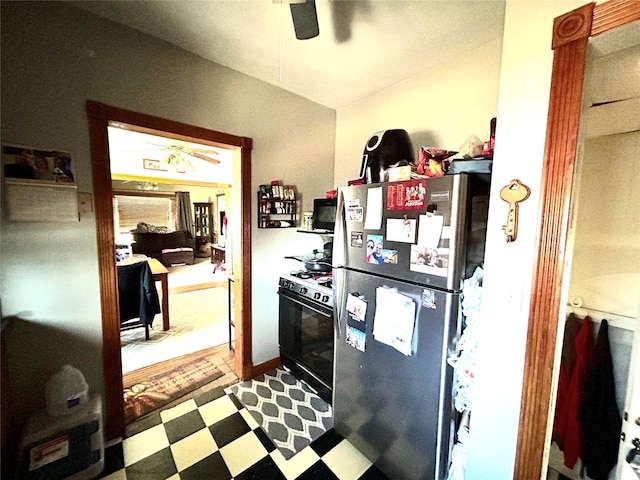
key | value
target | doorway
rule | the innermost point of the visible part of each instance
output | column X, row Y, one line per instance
column 100, row 116
column 161, row 185
column 571, row 33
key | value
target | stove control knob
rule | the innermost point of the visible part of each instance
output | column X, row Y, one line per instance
column 317, row 296
column 325, row 298
column 303, row 290
column 290, row 285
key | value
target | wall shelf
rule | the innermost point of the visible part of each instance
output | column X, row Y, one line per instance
column 277, row 208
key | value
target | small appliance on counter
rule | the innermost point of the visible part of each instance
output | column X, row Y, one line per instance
column 324, row 214
column 383, row 149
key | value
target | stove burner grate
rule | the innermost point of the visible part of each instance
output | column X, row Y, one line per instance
column 302, row 274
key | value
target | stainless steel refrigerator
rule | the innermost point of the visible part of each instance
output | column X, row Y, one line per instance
column 397, row 315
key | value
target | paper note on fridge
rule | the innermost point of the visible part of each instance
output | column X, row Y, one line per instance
column 430, row 230
column 401, row 230
column 373, row 220
column 394, row 319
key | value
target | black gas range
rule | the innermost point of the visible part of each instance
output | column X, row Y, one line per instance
column 306, row 332
column 314, row 287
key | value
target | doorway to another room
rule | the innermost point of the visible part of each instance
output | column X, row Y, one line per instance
column 185, row 277
column 167, row 194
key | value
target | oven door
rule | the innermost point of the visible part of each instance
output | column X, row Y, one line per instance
column 306, row 341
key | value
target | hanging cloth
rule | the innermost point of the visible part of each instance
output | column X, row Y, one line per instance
column 575, row 364
column 137, row 293
column 184, row 217
column 599, row 415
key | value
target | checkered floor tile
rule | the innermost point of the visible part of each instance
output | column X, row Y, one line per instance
column 214, row 437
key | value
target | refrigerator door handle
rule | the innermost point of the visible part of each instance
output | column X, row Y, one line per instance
column 339, row 286
column 339, row 248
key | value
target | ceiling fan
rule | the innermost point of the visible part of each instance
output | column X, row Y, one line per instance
column 177, row 160
column 304, row 16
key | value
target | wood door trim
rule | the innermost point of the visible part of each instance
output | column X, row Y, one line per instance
column 99, row 116
column 565, row 103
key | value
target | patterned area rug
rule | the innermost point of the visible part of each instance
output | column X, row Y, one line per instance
column 159, row 390
column 286, row 409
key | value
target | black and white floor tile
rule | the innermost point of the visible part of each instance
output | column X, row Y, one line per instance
column 214, row 437
column 286, row 408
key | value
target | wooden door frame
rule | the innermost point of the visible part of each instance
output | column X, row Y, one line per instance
column 99, row 117
column 571, row 33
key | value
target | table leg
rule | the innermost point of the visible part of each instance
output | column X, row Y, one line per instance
column 165, row 301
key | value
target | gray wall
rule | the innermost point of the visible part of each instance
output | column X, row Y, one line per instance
column 55, row 58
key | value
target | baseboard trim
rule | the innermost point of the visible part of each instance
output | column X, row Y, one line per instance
column 265, row 367
column 199, row 286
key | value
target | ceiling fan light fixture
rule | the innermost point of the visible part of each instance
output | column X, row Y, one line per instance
column 147, row 186
column 305, row 19
column 176, row 162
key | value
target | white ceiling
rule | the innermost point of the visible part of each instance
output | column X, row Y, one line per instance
column 142, row 155
column 364, row 46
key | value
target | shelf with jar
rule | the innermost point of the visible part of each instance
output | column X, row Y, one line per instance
column 277, row 206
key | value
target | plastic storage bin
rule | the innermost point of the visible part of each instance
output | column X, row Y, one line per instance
column 63, row 447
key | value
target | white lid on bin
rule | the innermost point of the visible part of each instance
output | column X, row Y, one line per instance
column 65, row 391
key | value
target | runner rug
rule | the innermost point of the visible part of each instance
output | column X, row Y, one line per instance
column 162, row 389
column 289, row 412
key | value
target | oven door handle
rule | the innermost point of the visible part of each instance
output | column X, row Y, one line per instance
column 304, row 304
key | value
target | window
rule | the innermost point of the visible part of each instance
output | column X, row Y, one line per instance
column 129, row 210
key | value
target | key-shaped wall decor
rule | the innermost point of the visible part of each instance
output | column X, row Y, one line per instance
column 513, row 194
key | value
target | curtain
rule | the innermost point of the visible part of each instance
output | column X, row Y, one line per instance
column 184, row 220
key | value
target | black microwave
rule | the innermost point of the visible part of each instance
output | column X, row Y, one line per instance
column 324, row 213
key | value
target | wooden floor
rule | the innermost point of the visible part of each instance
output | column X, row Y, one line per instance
column 200, row 286
column 221, row 356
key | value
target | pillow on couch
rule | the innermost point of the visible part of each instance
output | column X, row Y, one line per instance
column 143, row 227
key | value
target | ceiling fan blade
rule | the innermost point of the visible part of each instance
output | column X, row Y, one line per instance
column 305, row 19
column 206, row 158
column 209, row 151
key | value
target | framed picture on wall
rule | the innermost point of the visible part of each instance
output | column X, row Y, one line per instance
column 29, row 163
column 156, row 165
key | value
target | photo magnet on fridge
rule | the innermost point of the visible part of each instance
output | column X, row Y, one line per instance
column 357, row 309
column 354, row 214
column 374, row 249
column 357, row 239
column 429, row 299
column 356, row 338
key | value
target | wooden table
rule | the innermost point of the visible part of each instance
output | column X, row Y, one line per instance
column 161, row 274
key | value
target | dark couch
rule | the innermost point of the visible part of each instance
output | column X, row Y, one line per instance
column 152, row 245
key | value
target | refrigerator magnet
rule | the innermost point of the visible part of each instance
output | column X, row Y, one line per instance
column 389, row 256
column 374, row 249
column 356, row 338
column 357, row 239
column 429, row 299
column 410, row 195
column 356, row 307
column 430, row 261
column 354, row 214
